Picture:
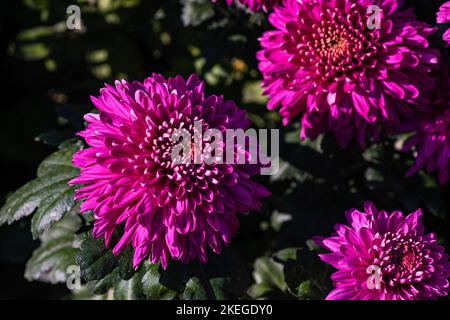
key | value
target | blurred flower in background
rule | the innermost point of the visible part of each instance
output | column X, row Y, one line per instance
column 443, row 16
column 431, row 131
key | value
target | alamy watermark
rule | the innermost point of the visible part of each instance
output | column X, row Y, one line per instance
column 214, row 147
column 73, row 280
column 374, row 19
column 73, row 21
column 374, row 280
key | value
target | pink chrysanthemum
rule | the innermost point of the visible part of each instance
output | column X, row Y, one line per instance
column 431, row 137
column 385, row 256
column 443, row 16
column 256, row 5
column 168, row 208
column 328, row 61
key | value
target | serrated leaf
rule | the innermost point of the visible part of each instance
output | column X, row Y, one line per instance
column 50, row 261
column 52, row 208
column 94, row 259
column 102, row 286
column 129, row 289
column 195, row 290
column 49, row 193
column 60, row 160
column 57, row 251
column 153, row 288
column 223, row 277
column 26, row 199
column 68, row 225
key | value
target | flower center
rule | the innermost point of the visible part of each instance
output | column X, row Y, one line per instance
column 337, row 47
column 333, row 45
column 401, row 259
column 178, row 152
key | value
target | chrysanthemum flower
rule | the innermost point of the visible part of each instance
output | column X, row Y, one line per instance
column 168, row 208
column 385, row 256
column 431, row 139
column 256, row 5
column 443, row 16
column 328, row 61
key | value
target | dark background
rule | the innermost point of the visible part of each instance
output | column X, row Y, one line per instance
column 49, row 73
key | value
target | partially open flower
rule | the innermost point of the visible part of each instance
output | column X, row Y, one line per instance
column 443, row 16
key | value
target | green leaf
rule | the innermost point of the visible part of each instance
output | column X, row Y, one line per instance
column 85, row 293
column 52, row 208
column 223, row 277
column 306, row 275
column 286, row 254
column 57, row 251
column 305, row 289
column 269, row 276
column 221, row 287
column 102, row 286
column 195, row 290
column 195, row 12
column 153, row 288
column 70, row 224
column 278, row 219
column 259, row 290
column 50, row 261
column 97, row 262
column 60, row 161
column 125, row 260
column 49, row 193
column 94, row 259
column 291, row 272
column 129, row 289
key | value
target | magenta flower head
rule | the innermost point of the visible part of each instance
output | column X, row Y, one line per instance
column 443, row 16
column 168, row 208
column 346, row 66
column 385, row 256
column 256, row 5
column 431, row 138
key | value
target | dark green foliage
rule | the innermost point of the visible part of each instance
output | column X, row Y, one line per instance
column 49, row 193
